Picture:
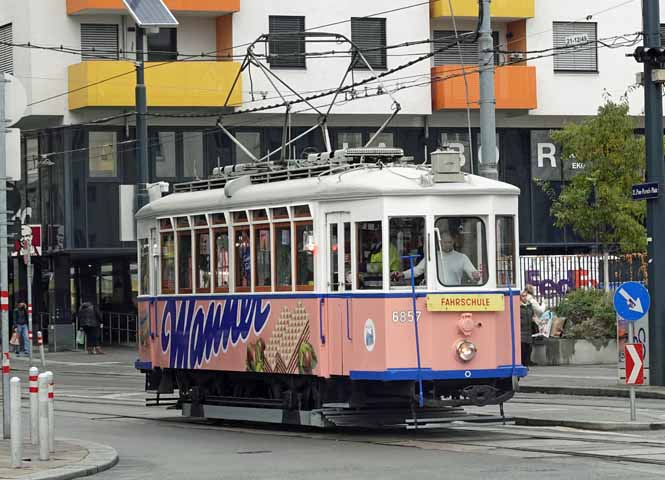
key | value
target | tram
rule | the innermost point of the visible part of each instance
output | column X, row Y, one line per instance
column 350, row 282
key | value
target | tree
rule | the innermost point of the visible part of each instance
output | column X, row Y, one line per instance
column 597, row 203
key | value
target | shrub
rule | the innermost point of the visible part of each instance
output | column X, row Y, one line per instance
column 589, row 314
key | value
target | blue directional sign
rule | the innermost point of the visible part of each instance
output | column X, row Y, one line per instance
column 631, row 301
column 643, row 191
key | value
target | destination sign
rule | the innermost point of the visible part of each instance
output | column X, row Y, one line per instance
column 465, row 303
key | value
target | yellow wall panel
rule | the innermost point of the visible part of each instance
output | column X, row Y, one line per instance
column 177, row 84
column 499, row 8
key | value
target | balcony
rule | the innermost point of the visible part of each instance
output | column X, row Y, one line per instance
column 514, row 87
column 177, row 84
column 506, row 9
column 199, row 7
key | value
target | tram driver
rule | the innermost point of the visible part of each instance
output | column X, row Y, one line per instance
column 453, row 266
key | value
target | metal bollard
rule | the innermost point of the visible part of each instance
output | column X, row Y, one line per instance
column 51, row 414
column 34, row 405
column 43, row 417
column 16, row 431
column 40, row 344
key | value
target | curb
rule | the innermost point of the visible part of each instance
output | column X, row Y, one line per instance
column 592, row 392
column 100, row 457
column 584, row 425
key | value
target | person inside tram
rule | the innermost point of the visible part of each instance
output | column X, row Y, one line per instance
column 372, row 247
column 453, row 266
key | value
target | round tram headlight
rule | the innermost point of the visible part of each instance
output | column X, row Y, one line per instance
column 466, row 350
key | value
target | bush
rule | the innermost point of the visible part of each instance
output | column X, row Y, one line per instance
column 589, row 314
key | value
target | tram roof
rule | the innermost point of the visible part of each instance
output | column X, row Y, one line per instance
column 357, row 184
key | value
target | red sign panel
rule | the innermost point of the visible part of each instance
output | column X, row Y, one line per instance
column 634, row 364
column 32, row 234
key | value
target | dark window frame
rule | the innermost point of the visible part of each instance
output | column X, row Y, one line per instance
column 294, row 51
column 379, row 63
column 558, row 56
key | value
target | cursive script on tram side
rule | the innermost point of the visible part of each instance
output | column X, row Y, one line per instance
column 191, row 335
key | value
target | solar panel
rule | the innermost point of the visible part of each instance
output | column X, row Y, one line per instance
column 150, row 13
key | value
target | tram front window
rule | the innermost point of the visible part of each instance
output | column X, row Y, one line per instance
column 370, row 256
column 461, row 251
column 407, row 236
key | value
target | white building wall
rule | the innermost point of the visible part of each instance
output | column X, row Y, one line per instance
column 580, row 94
column 326, row 73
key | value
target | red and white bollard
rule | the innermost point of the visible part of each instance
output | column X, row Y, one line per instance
column 51, row 413
column 16, row 430
column 40, row 344
column 43, row 417
column 34, row 405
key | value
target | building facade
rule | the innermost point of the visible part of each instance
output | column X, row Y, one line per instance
column 555, row 64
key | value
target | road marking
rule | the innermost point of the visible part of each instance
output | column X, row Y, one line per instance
column 75, row 364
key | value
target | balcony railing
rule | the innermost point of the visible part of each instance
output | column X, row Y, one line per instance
column 514, row 87
column 174, row 84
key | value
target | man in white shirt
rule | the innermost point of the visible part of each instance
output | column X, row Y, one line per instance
column 453, row 265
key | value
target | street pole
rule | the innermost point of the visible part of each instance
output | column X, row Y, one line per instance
column 28, row 274
column 653, row 122
column 141, row 122
column 4, row 294
column 488, row 167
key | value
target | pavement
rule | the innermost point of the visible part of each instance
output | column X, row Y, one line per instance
column 565, row 396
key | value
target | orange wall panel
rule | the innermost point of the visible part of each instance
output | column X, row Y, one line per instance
column 517, row 33
column 80, row 6
column 514, row 87
column 224, row 42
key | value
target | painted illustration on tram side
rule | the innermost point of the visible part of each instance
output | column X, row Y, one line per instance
column 233, row 334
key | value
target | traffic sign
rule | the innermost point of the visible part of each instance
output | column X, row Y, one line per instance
column 634, row 364
column 643, row 191
column 631, row 301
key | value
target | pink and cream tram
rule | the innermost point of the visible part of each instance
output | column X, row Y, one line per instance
column 275, row 292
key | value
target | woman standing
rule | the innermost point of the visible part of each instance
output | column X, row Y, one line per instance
column 89, row 320
column 526, row 327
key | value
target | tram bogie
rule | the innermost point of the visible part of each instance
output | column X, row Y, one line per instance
column 368, row 286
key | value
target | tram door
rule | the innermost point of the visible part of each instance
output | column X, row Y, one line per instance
column 339, row 280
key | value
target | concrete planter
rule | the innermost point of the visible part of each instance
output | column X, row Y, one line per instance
column 574, row 351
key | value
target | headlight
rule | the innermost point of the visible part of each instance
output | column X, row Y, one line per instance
column 465, row 350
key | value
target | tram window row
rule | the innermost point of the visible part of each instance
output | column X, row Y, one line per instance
column 273, row 250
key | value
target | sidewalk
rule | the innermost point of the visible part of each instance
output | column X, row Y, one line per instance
column 587, row 380
column 71, row 459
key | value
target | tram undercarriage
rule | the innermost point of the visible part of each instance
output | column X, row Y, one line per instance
column 321, row 402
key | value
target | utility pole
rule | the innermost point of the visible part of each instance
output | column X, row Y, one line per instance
column 141, row 122
column 653, row 122
column 488, row 167
column 4, row 293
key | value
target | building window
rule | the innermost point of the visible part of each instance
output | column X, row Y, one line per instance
column 102, row 154
column 252, row 142
column 193, row 154
column 451, row 54
column 163, row 46
column 165, row 155
column 369, row 35
column 461, row 252
column 383, row 140
column 99, row 41
column 349, row 140
column 576, row 47
column 286, row 51
column 6, row 51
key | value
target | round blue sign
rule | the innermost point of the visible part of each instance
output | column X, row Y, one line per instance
column 631, row 301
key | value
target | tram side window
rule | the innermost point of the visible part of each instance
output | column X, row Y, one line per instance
column 304, row 256
column 262, row 257
column 407, row 236
column 144, row 252
column 370, row 255
column 243, row 259
column 461, row 253
column 283, row 256
column 221, row 260
column 168, row 262
column 202, row 260
column 505, row 251
column 185, row 262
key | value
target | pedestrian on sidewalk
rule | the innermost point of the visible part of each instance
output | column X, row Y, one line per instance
column 89, row 320
column 21, row 325
column 527, row 327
